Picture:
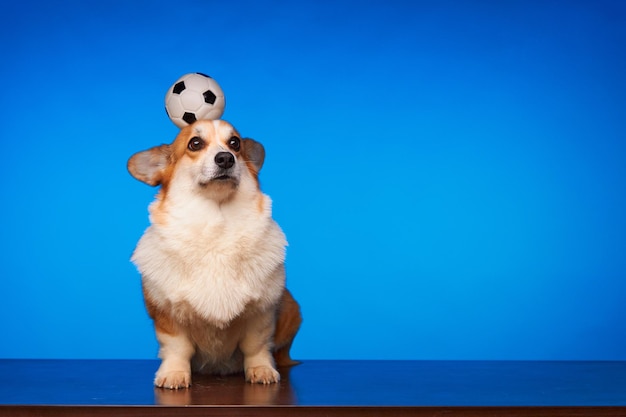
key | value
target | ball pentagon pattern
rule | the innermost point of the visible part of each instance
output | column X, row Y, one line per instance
column 192, row 97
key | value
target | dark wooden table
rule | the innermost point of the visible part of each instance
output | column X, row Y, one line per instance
column 325, row 388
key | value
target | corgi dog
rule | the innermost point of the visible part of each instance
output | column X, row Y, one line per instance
column 212, row 259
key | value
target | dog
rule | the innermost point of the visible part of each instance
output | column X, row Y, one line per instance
column 212, row 259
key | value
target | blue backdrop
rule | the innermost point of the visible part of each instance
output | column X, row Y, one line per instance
column 450, row 174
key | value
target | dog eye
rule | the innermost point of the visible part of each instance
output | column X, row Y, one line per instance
column 234, row 143
column 195, row 144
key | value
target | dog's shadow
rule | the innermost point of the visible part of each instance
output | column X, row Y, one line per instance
column 229, row 390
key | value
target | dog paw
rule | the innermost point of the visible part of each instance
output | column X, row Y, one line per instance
column 262, row 375
column 173, row 379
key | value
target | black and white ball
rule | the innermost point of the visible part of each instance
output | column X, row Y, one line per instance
column 192, row 97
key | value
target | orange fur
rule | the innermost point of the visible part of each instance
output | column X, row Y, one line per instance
column 163, row 322
column 287, row 325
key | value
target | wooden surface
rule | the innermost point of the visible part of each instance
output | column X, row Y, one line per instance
column 424, row 388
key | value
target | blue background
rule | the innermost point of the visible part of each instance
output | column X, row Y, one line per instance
column 450, row 174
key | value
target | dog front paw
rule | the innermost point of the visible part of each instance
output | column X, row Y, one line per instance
column 173, row 379
column 262, row 375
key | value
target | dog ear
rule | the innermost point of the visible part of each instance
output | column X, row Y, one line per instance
column 254, row 153
column 148, row 166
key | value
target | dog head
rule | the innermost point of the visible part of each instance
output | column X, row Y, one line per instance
column 209, row 156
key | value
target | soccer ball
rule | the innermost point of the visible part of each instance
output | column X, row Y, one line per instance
column 194, row 97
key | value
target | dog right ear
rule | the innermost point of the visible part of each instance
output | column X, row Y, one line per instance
column 148, row 166
column 254, row 153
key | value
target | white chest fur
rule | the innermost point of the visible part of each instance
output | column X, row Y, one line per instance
column 215, row 259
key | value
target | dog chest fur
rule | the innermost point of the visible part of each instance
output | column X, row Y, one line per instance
column 213, row 259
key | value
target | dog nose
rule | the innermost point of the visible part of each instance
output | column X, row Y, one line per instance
column 224, row 160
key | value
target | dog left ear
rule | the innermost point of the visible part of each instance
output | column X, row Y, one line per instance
column 253, row 152
column 148, row 166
